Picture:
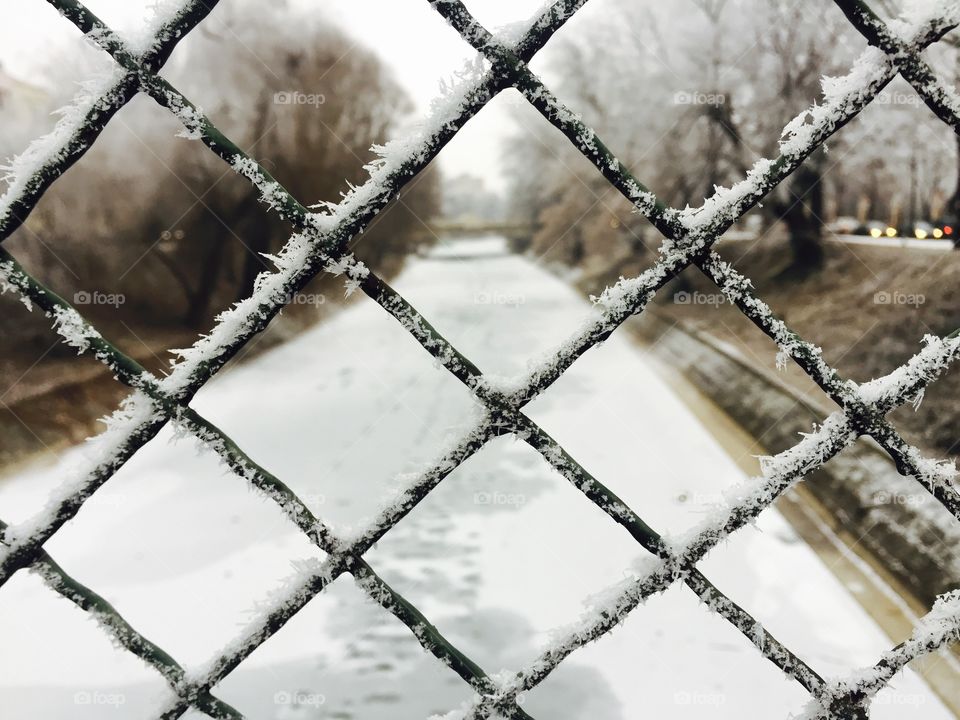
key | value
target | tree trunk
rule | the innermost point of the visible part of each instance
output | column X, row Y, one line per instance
column 802, row 213
column 257, row 236
column 207, row 283
column 953, row 205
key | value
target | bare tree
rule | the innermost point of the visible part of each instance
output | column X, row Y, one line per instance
column 178, row 233
column 796, row 52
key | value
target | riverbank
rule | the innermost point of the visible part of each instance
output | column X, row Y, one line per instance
column 868, row 308
column 878, row 545
column 53, row 399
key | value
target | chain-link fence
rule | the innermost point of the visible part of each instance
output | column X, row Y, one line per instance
column 320, row 244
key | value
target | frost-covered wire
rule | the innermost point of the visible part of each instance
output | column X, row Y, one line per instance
column 937, row 629
column 82, row 335
column 302, row 258
column 124, row 634
column 847, row 96
column 319, row 244
column 30, row 173
column 942, row 99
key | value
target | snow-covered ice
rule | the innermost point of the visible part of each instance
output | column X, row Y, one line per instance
column 499, row 556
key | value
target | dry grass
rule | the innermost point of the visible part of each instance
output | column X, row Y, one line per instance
column 842, row 308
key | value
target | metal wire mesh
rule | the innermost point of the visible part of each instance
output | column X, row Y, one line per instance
column 320, row 244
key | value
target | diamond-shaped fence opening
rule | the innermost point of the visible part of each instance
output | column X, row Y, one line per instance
column 319, row 244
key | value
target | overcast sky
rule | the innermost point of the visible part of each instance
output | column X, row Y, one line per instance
column 410, row 36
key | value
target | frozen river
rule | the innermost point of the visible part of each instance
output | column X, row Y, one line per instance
column 500, row 555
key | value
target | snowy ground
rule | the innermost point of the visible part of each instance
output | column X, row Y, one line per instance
column 498, row 556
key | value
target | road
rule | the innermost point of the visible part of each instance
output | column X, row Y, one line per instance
column 501, row 554
column 940, row 245
column 895, row 242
